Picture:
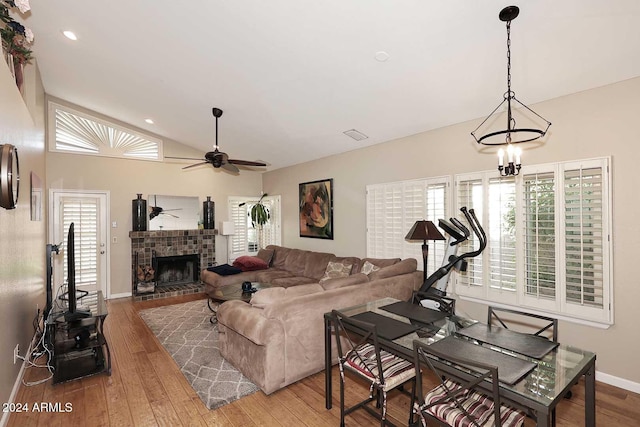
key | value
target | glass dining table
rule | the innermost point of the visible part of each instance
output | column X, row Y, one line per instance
column 539, row 390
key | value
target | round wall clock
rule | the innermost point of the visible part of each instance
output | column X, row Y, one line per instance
column 9, row 176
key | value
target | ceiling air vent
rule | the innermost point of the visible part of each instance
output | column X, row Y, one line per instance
column 358, row 136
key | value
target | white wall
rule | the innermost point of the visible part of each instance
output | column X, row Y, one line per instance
column 594, row 123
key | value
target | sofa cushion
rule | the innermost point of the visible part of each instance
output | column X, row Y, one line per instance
column 315, row 263
column 250, row 263
column 335, row 270
column 368, row 268
column 405, row 266
column 266, row 255
column 340, row 282
column 287, row 282
column 380, row 262
column 354, row 261
column 266, row 296
column 270, row 274
column 280, row 254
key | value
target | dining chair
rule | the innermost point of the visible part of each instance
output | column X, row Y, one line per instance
column 359, row 353
column 458, row 401
column 549, row 324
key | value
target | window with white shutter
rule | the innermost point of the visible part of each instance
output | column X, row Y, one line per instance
column 470, row 194
column 246, row 240
column 83, row 212
column 549, row 243
column 73, row 131
column 501, row 245
column 393, row 208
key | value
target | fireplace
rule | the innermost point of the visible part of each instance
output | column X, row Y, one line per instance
column 176, row 270
column 185, row 252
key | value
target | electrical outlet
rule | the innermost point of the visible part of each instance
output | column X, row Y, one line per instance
column 16, row 353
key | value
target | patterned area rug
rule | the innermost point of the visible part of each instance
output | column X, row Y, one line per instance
column 185, row 332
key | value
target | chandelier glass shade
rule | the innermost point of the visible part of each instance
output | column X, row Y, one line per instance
column 512, row 134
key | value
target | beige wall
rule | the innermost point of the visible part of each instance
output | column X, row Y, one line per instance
column 22, row 241
column 125, row 178
column 599, row 122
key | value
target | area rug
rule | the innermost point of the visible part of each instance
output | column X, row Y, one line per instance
column 185, row 332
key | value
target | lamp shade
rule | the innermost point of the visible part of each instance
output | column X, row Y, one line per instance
column 424, row 230
column 227, row 228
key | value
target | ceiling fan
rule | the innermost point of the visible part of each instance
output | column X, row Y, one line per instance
column 219, row 159
column 156, row 210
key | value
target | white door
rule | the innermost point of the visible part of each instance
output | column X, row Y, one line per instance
column 89, row 212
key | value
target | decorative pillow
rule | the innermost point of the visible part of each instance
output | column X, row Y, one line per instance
column 266, row 255
column 224, row 270
column 368, row 268
column 250, row 263
column 336, row 269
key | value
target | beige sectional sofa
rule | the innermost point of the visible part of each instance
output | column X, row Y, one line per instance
column 278, row 338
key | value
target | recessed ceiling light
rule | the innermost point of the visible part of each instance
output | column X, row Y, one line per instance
column 149, row 121
column 382, row 56
column 70, row 35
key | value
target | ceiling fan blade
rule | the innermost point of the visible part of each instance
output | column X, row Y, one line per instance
column 230, row 167
column 182, row 158
column 193, row 166
column 246, row 162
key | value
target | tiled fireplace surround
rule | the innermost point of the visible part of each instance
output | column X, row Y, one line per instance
column 170, row 243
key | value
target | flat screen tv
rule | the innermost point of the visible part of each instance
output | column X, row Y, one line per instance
column 73, row 313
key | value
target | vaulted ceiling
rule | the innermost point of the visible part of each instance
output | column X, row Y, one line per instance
column 293, row 75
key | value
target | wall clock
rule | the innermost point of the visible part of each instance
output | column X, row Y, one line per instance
column 9, row 176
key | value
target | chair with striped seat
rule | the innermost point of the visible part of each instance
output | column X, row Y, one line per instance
column 459, row 402
column 359, row 353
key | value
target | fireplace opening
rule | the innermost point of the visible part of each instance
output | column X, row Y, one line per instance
column 177, row 269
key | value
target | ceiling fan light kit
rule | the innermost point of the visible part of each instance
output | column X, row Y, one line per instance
column 511, row 134
column 219, row 159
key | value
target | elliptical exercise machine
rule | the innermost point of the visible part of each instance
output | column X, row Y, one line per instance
column 432, row 293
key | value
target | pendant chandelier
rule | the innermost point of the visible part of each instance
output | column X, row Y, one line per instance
column 512, row 134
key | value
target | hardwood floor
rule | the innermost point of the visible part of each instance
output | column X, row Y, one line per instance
column 146, row 388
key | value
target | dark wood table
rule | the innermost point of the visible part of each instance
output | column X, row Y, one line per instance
column 229, row 293
column 539, row 391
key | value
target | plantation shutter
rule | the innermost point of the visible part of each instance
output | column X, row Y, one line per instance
column 393, row 208
column 470, row 193
column 437, row 208
column 245, row 240
column 239, row 241
column 584, row 236
column 539, row 231
column 501, row 237
column 83, row 212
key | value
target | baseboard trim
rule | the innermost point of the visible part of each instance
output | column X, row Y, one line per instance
column 16, row 386
column 122, row 295
column 618, row 382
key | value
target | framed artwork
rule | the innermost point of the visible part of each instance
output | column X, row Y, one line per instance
column 316, row 209
column 36, row 198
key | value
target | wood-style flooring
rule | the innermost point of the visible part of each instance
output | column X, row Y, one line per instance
column 146, row 388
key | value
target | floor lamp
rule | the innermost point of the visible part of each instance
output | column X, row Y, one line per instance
column 228, row 229
column 424, row 230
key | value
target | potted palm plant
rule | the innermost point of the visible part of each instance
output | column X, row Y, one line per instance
column 259, row 214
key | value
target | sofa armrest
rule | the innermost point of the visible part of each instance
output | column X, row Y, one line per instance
column 250, row 323
column 216, row 281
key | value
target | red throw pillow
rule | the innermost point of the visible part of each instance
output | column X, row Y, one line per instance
column 250, row 263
